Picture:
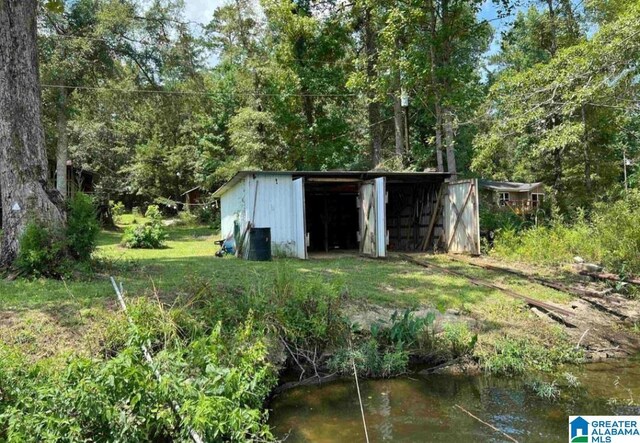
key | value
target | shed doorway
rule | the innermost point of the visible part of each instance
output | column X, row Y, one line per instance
column 331, row 216
column 414, row 215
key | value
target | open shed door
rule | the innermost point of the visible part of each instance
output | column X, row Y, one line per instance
column 461, row 217
column 373, row 226
column 300, row 250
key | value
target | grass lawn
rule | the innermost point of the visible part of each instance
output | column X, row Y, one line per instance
column 67, row 309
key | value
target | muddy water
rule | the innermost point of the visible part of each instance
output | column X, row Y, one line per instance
column 421, row 409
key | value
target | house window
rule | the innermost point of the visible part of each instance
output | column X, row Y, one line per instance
column 536, row 199
column 503, row 198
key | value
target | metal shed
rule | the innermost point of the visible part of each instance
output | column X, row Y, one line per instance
column 372, row 212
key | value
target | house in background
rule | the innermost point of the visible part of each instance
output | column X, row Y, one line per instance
column 521, row 197
column 78, row 179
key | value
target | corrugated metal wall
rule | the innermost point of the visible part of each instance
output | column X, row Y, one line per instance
column 232, row 207
column 274, row 209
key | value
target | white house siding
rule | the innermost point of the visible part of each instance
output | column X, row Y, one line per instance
column 275, row 209
column 232, row 207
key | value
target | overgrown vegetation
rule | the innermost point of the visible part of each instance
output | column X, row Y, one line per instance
column 50, row 251
column 611, row 237
column 149, row 235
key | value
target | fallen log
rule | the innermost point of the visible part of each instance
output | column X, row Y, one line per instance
column 309, row 381
column 553, row 311
column 611, row 277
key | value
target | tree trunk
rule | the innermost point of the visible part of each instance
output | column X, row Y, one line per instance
column 373, row 107
column 62, row 153
column 439, row 158
column 435, row 84
column 552, row 22
column 398, row 123
column 585, row 153
column 23, row 159
column 449, row 141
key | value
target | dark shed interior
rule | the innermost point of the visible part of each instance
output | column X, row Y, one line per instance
column 332, row 215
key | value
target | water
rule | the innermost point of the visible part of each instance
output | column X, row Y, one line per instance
column 423, row 408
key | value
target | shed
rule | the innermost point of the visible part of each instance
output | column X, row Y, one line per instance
column 372, row 212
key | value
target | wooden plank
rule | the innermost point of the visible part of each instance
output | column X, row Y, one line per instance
column 459, row 215
column 434, row 217
column 611, row 277
column 551, row 310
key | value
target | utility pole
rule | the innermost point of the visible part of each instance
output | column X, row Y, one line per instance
column 404, row 101
column 624, row 163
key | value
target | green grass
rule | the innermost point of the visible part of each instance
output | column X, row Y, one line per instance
column 188, row 260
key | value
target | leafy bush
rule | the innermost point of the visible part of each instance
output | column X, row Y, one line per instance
column 42, row 251
column 117, row 209
column 220, row 380
column 151, row 235
column 147, row 236
column 153, row 213
column 187, row 218
column 82, row 227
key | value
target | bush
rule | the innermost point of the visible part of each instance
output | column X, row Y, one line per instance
column 42, row 251
column 151, row 235
column 220, row 381
column 82, row 227
column 147, row 236
column 117, row 209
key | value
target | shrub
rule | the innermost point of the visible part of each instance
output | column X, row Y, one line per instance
column 147, row 236
column 42, row 251
column 117, row 209
column 151, row 235
column 82, row 227
column 153, row 214
column 220, row 381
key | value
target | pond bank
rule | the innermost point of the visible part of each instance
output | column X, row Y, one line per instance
column 422, row 408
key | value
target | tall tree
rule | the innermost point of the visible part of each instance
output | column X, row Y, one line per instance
column 23, row 159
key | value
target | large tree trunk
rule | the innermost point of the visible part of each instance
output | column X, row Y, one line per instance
column 373, row 107
column 62, row 153
column 23, row 160
column 449, row 141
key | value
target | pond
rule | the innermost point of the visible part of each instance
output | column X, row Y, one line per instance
column 423, row 408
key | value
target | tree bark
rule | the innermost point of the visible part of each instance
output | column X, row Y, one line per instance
column 373, row 107
column 433, row 21
column 23, row 160
column 398, row 123
column 62, row 153
column 449, row 141
column 585, row 152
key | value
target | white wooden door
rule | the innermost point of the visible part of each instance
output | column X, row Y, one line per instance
column 381, row 216
column 300, row 247
column 461, row 217
column 373, row 230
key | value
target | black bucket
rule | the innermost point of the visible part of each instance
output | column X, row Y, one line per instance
column 259, row 244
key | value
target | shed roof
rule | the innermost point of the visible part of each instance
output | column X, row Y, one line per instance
column 508, row 186
column 434, row 177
